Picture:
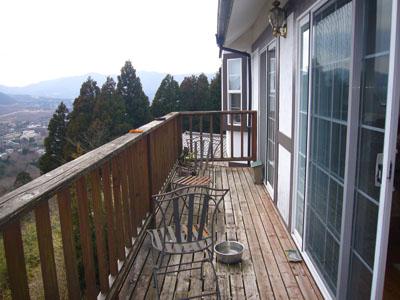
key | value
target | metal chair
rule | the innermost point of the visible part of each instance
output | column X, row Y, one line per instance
column 187, row 226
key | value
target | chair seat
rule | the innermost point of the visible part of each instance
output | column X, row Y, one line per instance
column 193, row 180
column 172, row 243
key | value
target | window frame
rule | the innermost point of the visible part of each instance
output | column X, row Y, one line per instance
column 234, row 92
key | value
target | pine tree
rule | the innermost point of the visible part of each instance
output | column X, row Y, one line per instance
column 21, row 179
column 202, row 93
column 188, row 93
column 136, row 102
column 195, row 95
column 215, row 92
column 215, row 98
column 109, row 116
column 80, row 119
column 55, row 142
column 167, row 97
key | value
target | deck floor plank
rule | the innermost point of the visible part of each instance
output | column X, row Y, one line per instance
column 250, row 217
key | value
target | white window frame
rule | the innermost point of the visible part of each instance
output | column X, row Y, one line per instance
column 301, row 21
column 230, row 92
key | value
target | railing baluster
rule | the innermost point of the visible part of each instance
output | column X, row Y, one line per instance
column 241, row 134
column 201, row 137
column 15, row 258
column 190, row 132
column 132, row 189
column 46, row 251
column 211, row 136
column 221, row 134
column 99, row 227
column 142, row 172
column 110, row 219
column 71, row 270
column 119, row 226
column 125, row 199
column 232, row 128
column 86, row 238
column 254, row 136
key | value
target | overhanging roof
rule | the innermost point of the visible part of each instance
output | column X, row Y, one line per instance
column 235, row 17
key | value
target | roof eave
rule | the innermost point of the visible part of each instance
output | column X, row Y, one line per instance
column 224, row 14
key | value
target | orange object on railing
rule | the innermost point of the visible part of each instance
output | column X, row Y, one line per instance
column 136, row 131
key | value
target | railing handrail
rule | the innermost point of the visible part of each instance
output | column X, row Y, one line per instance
column 21, row 200
column 220, row 112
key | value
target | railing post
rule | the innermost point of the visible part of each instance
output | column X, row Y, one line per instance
column 254, row 136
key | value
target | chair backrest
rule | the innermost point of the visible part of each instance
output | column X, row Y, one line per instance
column 204, row 150
column 190, row 211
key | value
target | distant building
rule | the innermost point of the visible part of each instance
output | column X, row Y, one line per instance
column 4, row 156
column 27, row 135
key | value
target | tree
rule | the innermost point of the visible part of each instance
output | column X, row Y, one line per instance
column 215, row 98
column 187, row 91
column 202, row 93
column 167, row 97
column 136, row 102
column 80, row 119
column 21, row 179
column 215, row 92
column 109, row 116
column 55, row 142
column 195, row 95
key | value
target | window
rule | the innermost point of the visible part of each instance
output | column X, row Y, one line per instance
column 235, row 87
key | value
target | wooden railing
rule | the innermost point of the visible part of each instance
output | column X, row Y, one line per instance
column 215, row 128
column 102, row 203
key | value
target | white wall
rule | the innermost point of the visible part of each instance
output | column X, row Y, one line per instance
column 284, row 182
column 286, row 79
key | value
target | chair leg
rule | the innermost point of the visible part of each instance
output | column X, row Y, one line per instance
column 217, row 291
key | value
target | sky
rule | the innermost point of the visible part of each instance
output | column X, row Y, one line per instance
column 48, row 39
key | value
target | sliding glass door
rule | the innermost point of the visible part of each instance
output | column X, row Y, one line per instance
column 337, row 200
column 371, row 133
column 328, row 119
column 271, row 118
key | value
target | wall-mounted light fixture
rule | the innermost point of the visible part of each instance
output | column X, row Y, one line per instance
column 277, row 19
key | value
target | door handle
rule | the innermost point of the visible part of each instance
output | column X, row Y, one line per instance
column 378, row 169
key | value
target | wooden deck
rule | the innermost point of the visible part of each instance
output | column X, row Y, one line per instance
column 265, row 273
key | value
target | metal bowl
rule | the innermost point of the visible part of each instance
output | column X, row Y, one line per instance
column 229, row 252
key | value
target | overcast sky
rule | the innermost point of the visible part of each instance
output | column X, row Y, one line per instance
column 47, row 39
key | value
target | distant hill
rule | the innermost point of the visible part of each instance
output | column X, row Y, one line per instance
column 14, row 103
column 6, row 99
column 68, row 87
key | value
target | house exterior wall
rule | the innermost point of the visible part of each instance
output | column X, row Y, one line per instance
column 255, row 41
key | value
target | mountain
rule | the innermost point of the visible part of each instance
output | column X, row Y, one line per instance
column 6, row 99
column 68, row 87
column 16, row 103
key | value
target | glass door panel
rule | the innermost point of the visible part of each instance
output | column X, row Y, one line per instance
column 375, row 65
column 302, row 128
column 271, row 118
column 331, row 47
